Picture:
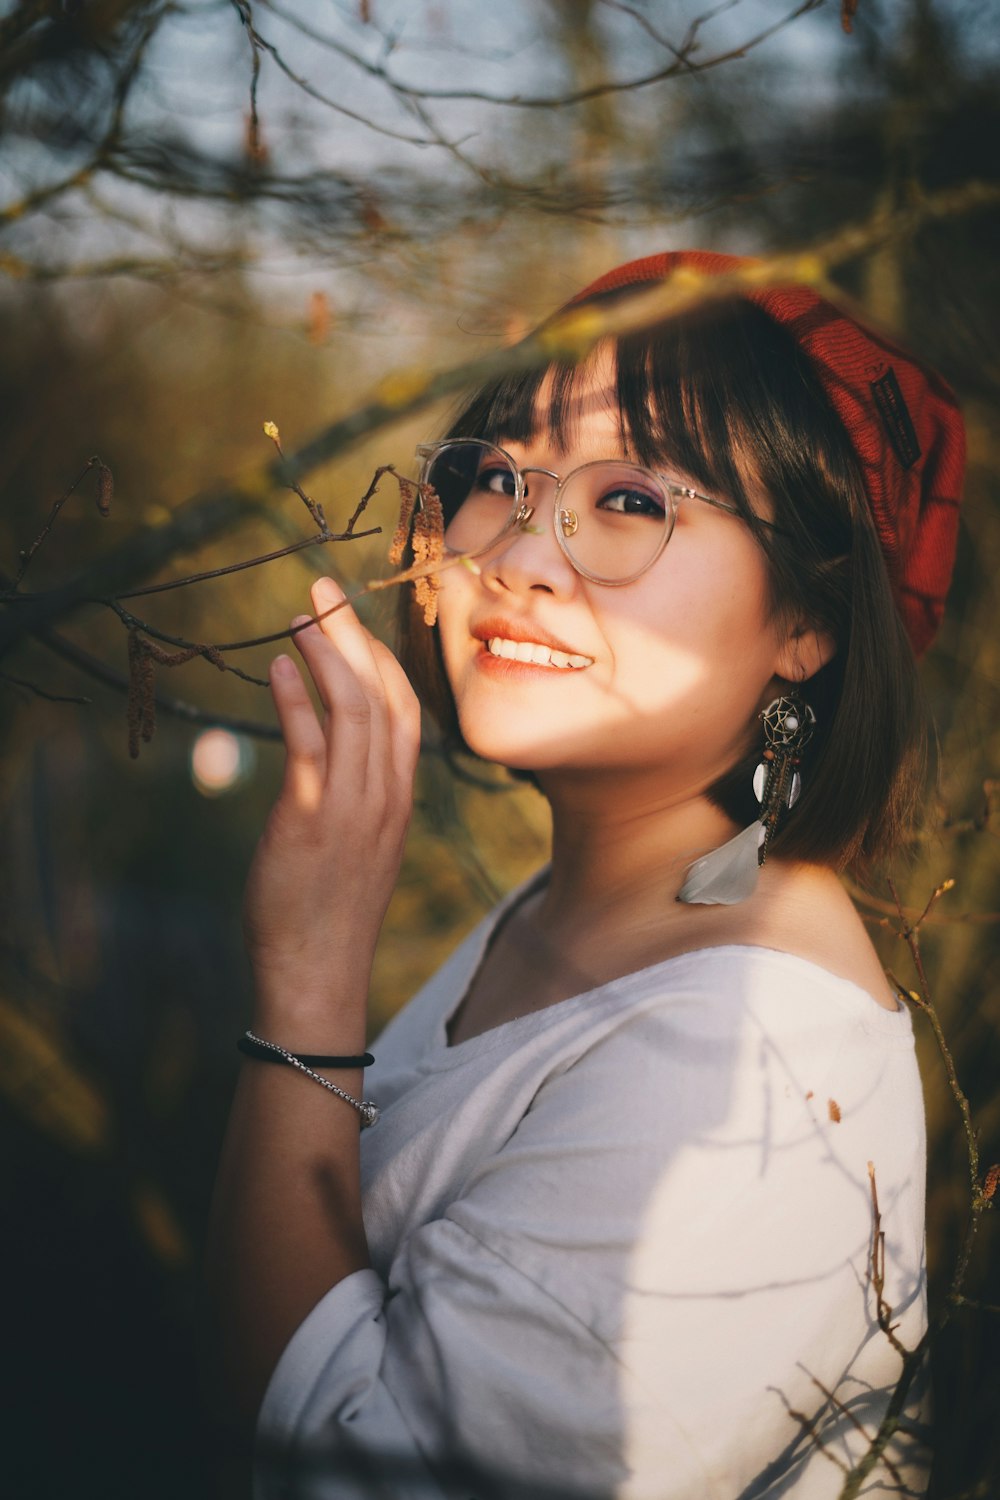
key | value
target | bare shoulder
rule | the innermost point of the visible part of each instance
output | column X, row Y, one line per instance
column 805, row 910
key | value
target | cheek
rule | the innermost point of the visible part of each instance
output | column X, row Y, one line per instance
column 693, row 663
column 698, row 640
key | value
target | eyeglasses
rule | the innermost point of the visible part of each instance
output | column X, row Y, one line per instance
column 612, row 519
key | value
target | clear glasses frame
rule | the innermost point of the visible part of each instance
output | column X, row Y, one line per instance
column 564, row 522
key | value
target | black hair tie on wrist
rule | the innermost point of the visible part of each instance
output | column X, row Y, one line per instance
column 252, row 1047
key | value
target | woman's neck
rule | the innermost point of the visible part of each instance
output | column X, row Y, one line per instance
column 623, row 847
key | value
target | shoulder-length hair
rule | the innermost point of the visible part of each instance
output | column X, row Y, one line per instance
column 725, row 395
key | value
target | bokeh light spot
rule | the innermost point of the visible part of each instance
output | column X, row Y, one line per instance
column 220, row 761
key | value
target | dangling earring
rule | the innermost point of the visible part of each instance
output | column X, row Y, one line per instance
column 729, row 874
column 788, row 728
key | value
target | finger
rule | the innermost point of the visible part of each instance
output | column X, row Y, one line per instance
column 305, row 743
column 343, row 627
column 404, row 713
column 345, row 631
column 355, row 714
column 395, row 751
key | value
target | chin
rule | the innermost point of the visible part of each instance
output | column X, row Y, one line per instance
column 528, row 747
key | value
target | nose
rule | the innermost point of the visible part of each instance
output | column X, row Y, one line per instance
column 531, row 557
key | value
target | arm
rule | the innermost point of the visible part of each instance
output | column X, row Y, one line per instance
column 286, row 1217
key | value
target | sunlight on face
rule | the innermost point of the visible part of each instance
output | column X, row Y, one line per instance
column 678, row 661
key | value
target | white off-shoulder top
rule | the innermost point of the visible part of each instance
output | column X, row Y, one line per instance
column 622, row 1246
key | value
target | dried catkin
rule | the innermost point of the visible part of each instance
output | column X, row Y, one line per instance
column 141, row 703
column 105, row 489
column 428, row 547
column 408, row 493
column 144, row 656
column 133, row 709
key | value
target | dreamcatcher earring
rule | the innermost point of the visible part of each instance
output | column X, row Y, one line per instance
column 729, row 874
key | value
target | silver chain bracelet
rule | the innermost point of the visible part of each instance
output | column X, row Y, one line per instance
column 365, row 1108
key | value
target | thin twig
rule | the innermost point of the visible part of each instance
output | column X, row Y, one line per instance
column 261, row 42
column 242, row 8
column 921, row 998
column 32, row 687
column 981, row 1194
column 887, row 910
column 682, row 63
column 251, row 562
column 51, row 518
column 877, row 1271
column 316, row 511
column 890, row 1424
column 93, row 667
column 987, row 1307
column 845, row 1411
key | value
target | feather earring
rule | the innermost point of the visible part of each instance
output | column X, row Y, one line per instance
column 729, row 874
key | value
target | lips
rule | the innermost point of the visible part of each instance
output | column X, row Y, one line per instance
column 521, row 630
column 519, row 648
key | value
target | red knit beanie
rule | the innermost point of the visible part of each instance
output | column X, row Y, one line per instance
column 901, row 418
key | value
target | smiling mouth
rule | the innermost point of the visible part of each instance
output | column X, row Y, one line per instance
column 531, row 653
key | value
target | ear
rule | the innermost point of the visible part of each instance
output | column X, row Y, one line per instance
column 804, row 649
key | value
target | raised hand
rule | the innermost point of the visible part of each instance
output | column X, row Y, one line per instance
column 329, row 857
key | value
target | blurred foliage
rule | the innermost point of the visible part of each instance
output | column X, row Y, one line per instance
column 122, row 980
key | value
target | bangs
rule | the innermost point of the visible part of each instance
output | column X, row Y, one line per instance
column 695, row 395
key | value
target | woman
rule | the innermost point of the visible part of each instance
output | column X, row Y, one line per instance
column 615, row 1231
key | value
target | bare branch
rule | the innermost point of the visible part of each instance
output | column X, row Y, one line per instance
column 682, row 63
column 316, row 511
column 251, row 562
column 842, row 1408
column 890, row 1424
column 29, row 552
column 877, row 1270
column 921, row 999
column 93, row 667
column 261, row 43
column 987, row 1307
column 570, row 335
column 32, row 687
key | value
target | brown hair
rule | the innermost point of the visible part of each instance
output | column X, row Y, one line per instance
column 729, row 398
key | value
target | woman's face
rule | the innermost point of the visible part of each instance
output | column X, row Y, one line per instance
column 678, row 661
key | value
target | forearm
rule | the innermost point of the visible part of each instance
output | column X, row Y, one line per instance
column 286, row 1215
column 286, row 1220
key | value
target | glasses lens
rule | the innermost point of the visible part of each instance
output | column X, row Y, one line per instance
column 613, row 518
column 476, row 484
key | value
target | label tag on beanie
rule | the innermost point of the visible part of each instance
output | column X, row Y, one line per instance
column 895, row 418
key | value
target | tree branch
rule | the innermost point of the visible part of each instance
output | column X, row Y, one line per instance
column 569, row 336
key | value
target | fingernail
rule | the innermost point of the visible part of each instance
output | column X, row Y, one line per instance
column 328, row 590
column 301, row 620
column 283, row 666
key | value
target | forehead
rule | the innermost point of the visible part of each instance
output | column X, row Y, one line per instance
column 576, row 408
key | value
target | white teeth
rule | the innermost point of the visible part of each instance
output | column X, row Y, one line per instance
column 535, row 653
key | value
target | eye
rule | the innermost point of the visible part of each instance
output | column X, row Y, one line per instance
column 496, row 479
column 628, row 500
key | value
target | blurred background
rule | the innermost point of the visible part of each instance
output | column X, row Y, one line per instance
column 218, row 214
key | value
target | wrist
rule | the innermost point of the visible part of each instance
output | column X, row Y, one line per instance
column 311, row 1018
